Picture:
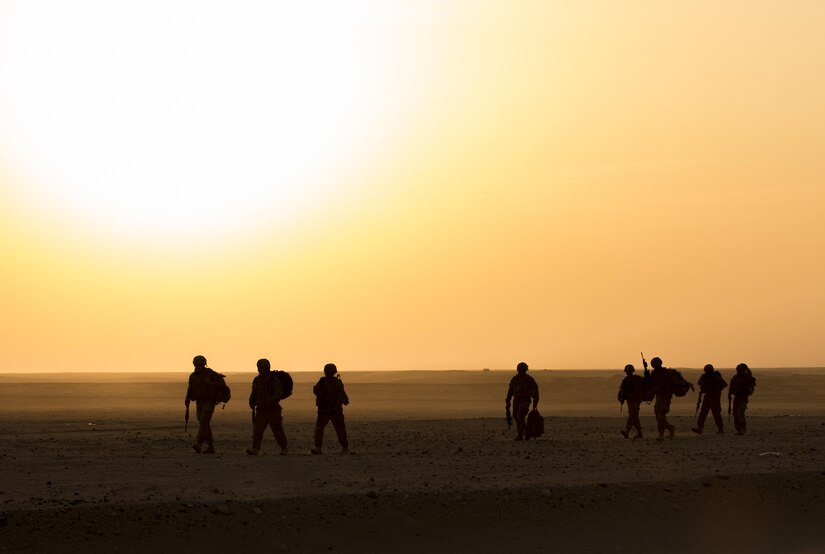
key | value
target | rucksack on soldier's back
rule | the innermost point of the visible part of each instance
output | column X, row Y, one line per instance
column 680, row 385
column 286, row 383
column 220, row 390
column 209, row 386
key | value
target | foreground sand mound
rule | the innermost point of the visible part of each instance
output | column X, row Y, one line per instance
column 751, row 513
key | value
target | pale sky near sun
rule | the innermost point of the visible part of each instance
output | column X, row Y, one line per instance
column 450, row 184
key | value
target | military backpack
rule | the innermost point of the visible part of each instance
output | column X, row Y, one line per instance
column 679, row 384
column 210, row 386
column 220, row 390
column 286, row 383
column 535, row 425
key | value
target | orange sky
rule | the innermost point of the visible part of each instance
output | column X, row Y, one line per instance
column 411, row 185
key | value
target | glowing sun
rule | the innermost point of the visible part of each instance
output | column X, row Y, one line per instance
column 171, row 119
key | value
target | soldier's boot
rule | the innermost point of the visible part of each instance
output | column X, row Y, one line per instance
column 317, row 450
column 697, row 430
column 344, row 451
column 519, row 438
column 638, row 435
column 661, row 437
column 252, row 451
column 624, row 433
column 197, row 447
column 671, row 430
column 210, row 449
column 721, row 431
column 284, row 451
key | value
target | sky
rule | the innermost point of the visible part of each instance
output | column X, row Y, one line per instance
column 395, row 185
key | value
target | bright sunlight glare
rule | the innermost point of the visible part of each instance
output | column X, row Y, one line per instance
column 178, row 118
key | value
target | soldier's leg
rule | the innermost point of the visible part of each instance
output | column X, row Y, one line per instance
column 744, row 419
column 661, row 425
column 716, row 410
column 276, row 422
column 199, row 411
column 703, row 414
column 520, row 414
column 633, row 418
column 664, row 410
column 737, row 422
column 739, row 407
column 320, row 424
column 736, row 416
column 205, row 410
column 340, row 429
column 258, row 430
column 628, row 424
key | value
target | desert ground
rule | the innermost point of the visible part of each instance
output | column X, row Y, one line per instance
column 101, row 463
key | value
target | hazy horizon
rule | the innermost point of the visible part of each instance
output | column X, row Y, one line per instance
column 411, row 185
column 360, row 372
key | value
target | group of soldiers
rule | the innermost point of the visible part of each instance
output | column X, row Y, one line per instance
column 265, row 403
column 658, row 386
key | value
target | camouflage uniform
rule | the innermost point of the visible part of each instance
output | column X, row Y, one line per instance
column 265, row 400
column 330, row 398
column 201, row 383
column 711, row 386
column 630, row 391
column 741, row 387
column 523, row 388
column 663, row 391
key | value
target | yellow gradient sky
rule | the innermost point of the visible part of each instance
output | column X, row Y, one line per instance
column 450, row 184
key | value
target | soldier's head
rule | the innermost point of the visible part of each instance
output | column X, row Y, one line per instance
column 263, row 366
column 330, row 370
column 521, row 367
column 199, row 361
column 629, row 369
column 742, row 369
column 709, row 369
column 656, row 363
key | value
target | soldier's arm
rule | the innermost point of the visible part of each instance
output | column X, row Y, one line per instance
column 535, row 394
column 252, row 396
column 344, row 397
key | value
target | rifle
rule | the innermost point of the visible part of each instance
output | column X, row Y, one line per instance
column 186, row 420
column 728, row 408
column 508, row 418
column 253, row 416
column 698, row 402
column 644, row 362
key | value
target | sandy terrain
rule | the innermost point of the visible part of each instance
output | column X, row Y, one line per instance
column 102, row 464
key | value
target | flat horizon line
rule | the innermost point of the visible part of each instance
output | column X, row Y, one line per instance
column 483, row 370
